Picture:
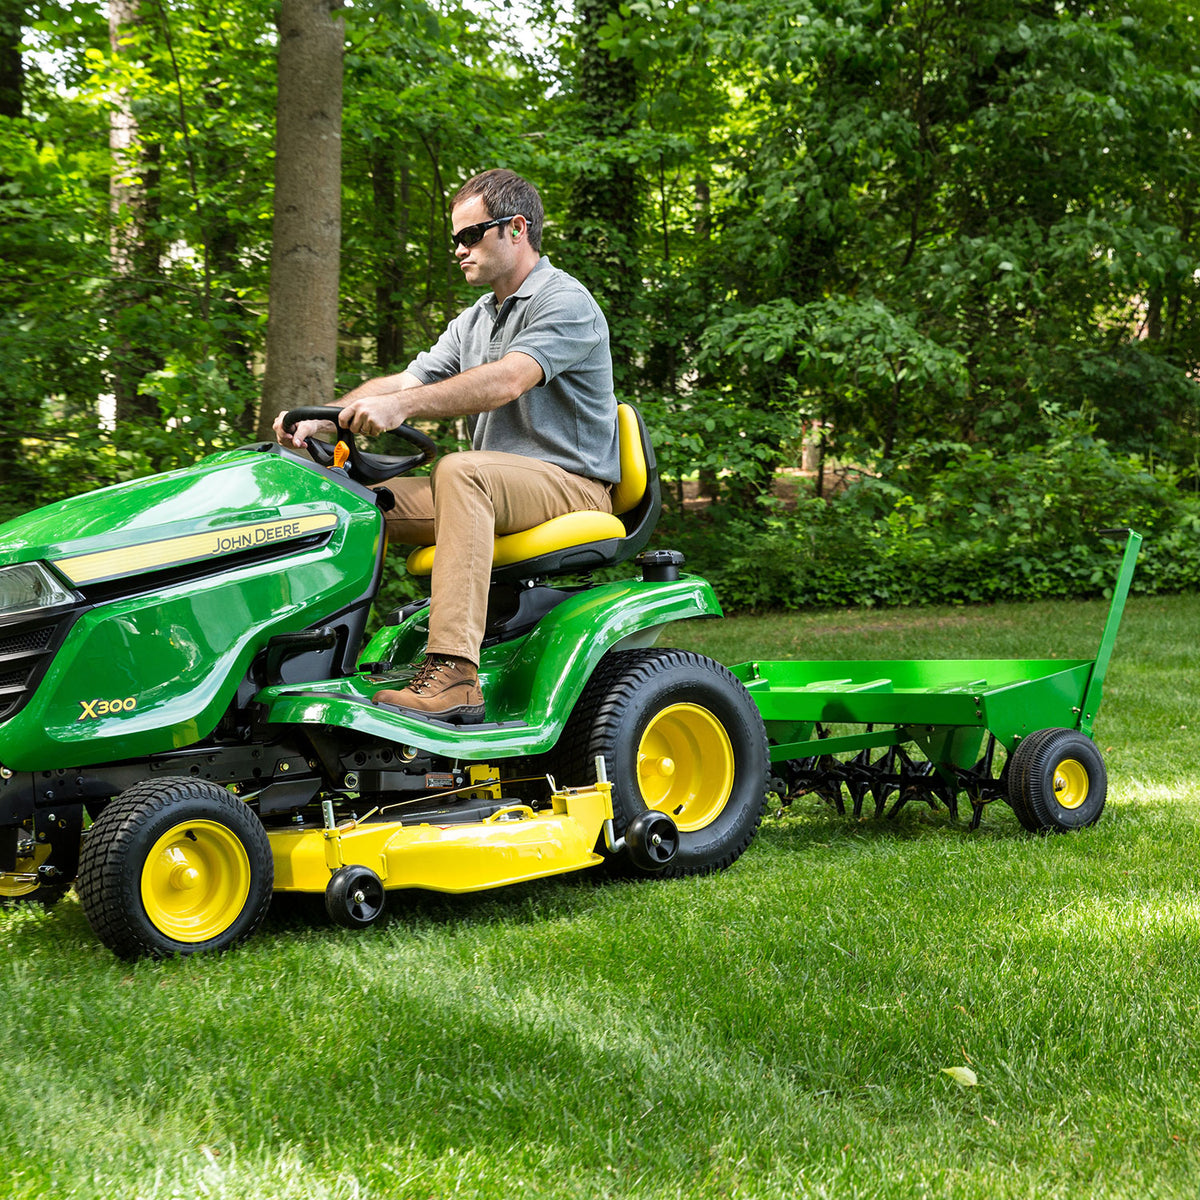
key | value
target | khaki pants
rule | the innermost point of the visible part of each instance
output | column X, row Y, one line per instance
column 467, row 500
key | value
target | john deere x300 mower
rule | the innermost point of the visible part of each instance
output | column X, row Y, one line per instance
column 186, row 722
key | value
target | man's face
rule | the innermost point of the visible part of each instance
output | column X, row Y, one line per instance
column 493, row 256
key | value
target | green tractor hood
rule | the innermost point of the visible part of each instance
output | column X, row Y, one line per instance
column 129, row 616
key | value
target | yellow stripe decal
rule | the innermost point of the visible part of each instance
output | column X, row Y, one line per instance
column 192, row 547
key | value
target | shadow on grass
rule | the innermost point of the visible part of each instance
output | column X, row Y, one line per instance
column 29, row 929
column 561, row 897
column 806, row 827
column 811, row 822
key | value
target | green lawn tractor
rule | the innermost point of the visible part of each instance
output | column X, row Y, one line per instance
column 186, row 722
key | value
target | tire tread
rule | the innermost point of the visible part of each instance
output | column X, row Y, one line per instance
column 617, row 679
column 103, row 882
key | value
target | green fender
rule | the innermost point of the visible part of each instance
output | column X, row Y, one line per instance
column 530, row 684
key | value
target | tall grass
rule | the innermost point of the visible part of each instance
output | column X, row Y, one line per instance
column 779, row 1030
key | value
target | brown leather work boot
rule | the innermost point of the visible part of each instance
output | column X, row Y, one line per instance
column 446, row 689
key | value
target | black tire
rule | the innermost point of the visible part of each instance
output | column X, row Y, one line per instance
column 646, row 710
column 1017, row 773
column 175, row 866
column 354, row 897
column 1060, row 779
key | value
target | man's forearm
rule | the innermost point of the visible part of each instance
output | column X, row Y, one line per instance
column 385, row 403
column 481, row 389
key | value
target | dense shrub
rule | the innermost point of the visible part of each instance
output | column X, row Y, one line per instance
column 981, row 527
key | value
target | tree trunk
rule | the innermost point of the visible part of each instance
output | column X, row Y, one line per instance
column 302, row 318
column 134, row 247
column 601, row 246
column 12, row 69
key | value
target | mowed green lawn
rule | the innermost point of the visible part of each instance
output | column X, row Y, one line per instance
column 781, row 1029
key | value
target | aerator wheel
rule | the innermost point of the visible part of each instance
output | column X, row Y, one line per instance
column 1017, row 772
column 175, row 866
column 354, row 897
column 679, row 735
column 1057, row 781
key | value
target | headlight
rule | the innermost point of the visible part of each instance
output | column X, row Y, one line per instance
column 29, row 588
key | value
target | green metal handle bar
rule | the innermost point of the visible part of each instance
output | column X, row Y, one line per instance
column 1091, row 695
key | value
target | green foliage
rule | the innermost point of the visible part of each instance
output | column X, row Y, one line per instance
column 906, row 227
column 188, row 324
column 981, row 177
column 715, row 433
column 980, row 526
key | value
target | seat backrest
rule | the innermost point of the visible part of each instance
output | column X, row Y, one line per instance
column 637, row 503
column 634, row 468
column 637, row 499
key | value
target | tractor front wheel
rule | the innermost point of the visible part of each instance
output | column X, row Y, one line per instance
column 175, row 866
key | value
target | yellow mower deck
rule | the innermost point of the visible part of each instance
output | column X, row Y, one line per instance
column 511, row 846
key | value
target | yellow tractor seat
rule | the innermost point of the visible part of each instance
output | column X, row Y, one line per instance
column 582, row 541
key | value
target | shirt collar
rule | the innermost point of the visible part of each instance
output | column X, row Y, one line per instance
column 537, row 278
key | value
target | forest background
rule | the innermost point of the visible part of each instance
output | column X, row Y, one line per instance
column 943, row 254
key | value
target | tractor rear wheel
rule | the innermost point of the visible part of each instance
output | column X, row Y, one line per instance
column 175, row 866
column 1057, row 782
column 679, row 734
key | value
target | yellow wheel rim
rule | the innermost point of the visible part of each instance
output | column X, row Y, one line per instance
column 685, row 765
column 14, row 886
column 1070, row 783
column 195, row 881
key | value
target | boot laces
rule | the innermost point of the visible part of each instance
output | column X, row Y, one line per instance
column 427, row 674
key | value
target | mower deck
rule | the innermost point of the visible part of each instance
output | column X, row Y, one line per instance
column 442, row 852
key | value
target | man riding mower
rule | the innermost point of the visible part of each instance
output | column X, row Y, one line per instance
column 182, row 664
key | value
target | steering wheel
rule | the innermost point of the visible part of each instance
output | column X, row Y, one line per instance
column 361, row 467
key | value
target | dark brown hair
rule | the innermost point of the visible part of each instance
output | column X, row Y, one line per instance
column 506, row 194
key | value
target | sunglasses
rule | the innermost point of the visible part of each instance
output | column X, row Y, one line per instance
column 473, row 233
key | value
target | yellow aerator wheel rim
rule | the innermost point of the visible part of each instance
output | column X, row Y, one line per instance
column 685, row 765
column 195, row 881
column 1070, row 783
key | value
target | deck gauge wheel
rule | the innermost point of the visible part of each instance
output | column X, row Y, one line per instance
column 652, row 840
column 354, row 897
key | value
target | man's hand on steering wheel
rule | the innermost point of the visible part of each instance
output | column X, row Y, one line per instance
column 362, row 412
column 346, row 456
column 304, row 429
column 370, row 415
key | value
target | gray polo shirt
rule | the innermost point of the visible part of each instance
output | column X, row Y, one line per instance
column 571, row 418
